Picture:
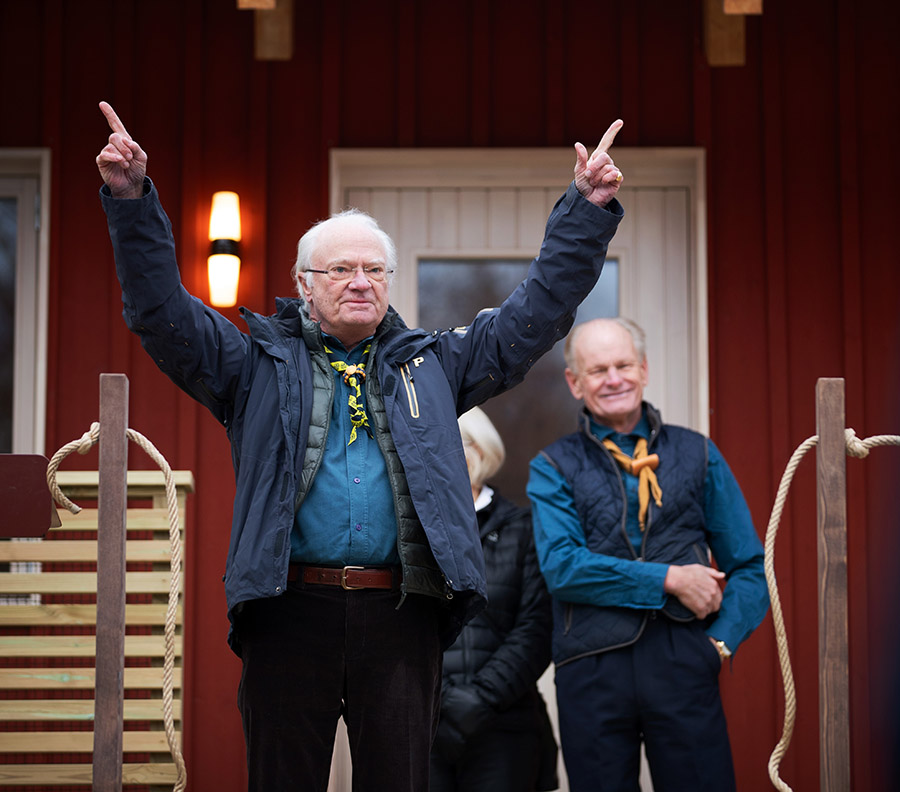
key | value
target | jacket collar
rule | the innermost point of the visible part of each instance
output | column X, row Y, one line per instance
column 291, row 320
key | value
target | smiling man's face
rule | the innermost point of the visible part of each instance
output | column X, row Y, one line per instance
column 609, row 376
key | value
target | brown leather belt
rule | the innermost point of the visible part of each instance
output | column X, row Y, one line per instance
column 348, row 577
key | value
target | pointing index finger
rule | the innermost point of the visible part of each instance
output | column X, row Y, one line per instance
column 115, row 123
column 608, row 137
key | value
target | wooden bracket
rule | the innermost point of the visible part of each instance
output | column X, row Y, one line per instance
column 723, row 30
column 273, row 28
column 743, row 6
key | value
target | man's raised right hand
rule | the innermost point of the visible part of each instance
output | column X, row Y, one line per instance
column 122, row 162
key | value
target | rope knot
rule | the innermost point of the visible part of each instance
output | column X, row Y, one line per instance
column 855, row 447
column 89, row 439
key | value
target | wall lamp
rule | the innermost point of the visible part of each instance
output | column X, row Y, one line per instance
column 224, row 261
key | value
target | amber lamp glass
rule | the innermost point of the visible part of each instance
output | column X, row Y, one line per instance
column 224, row 262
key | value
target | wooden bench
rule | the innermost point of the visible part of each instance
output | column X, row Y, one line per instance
column 47, row 652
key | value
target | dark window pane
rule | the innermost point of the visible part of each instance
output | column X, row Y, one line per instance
column 539, row 410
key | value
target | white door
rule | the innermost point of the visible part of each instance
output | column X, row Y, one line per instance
column 467, row 223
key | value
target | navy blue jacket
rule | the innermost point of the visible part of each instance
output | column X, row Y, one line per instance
column 259, row 385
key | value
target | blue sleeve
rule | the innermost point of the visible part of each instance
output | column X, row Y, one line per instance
column 573, row 572
column 738, row 553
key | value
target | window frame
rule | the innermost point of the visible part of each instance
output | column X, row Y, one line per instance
column 32, row 297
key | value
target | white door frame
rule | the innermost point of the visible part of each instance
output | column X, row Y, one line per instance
column 32, row 290
column 361, row 170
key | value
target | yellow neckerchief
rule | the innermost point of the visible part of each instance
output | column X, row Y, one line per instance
column 354, row 375
column 641, row 466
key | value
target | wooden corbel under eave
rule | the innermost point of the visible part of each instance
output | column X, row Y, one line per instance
column 723, row 30
column 273, row 28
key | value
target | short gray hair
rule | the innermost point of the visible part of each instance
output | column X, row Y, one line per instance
column 308, row 243
column 484, row 449
column 638, row 338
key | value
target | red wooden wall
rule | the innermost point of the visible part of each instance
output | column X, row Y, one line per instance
column 803, row 168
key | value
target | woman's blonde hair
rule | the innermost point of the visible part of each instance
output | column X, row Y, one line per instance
column 484, row 449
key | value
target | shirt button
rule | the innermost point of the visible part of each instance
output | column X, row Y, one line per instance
column 356, row 480
column 358, row 527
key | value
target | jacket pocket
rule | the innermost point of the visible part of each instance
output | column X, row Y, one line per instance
column 702, row 554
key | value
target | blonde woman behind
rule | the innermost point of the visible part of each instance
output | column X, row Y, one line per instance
column 494, row 734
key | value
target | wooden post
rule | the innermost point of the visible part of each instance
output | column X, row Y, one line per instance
column 111, row 504
column 834, row 677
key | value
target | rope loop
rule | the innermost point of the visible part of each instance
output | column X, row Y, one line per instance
column 856, row 448
column 87, row 441
column 82, row 446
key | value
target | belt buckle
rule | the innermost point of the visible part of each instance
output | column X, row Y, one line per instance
column 344, row 578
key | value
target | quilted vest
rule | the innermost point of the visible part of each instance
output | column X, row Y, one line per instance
column 421, row 574
column 675, row 533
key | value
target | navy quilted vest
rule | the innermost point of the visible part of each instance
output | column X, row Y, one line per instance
column 675, row 533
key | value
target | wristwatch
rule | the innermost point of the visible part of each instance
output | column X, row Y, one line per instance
column 722, row 649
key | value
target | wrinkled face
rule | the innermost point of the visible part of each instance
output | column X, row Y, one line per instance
column 349, row 310
column 609, row 377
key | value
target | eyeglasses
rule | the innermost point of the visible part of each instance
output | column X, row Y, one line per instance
column 339, row 273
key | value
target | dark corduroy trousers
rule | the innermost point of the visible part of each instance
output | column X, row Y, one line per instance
column 319, row 652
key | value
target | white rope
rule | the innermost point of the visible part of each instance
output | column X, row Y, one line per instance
column 82, row 446
column 855, row 448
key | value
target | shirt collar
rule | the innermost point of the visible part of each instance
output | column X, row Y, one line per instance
column 601, row 431
column 341, row 353
column 484, row 497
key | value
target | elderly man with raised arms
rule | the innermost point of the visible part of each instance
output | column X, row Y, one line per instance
column 354, row 556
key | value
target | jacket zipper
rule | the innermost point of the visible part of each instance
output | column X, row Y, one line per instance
column 410, row 390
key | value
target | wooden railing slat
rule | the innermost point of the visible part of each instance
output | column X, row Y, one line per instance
column 80, row 710
column 80, row 645
column 81, row 742
column 69, row 678
column 151, row 481
column 59, row 774
column 138, row 519
column 71, row 551
column 81, row 615
column 80, row 583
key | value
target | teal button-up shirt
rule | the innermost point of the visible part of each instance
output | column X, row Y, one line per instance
column 347, row 517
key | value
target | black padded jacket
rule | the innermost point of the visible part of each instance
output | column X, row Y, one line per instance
column 491, row 671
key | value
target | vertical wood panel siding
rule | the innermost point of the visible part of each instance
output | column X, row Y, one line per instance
column 802, row 170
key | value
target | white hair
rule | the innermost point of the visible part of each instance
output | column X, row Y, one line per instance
column 308, row 244
column 638, row 338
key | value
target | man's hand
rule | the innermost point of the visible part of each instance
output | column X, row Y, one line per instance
column 122, row 162
column 696, row 586
column 597, row 178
